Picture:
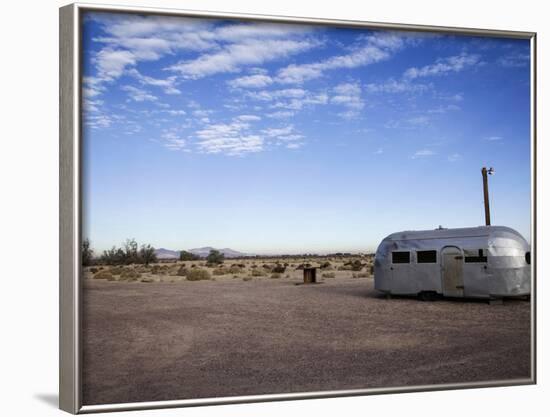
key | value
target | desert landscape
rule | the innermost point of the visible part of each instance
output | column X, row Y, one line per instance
column 245, row 269
column 192, row 329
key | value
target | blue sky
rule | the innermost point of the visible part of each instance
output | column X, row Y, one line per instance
column 280, row 138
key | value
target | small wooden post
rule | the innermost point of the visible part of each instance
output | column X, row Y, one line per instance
column 310, row 275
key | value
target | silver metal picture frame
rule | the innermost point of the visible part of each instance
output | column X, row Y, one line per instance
column 71, row 210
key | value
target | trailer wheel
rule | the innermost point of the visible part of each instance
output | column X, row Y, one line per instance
column 496, row 301
column 427, row 295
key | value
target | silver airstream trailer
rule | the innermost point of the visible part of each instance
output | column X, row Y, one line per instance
column 485, row 262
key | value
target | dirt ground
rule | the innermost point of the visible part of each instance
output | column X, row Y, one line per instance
column 150, row 341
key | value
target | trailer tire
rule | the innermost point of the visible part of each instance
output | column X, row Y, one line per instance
column 427, row 295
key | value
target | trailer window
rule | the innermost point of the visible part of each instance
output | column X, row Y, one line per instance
column 401, row 257
column 528, row 258
column 475, row 256
column 426, row 256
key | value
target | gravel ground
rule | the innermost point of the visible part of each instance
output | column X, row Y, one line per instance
column 166, row 341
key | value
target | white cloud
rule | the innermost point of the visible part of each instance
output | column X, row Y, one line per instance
column 92, row 87
column 284, row 136
column 240, row 31
column 280, row 114
column 92, row 105
column 418, row 120
column 130, row 39
column 229, row 138
column 395, row 86
column 348, row 95
column 233, row 56
column 171, row 140
column 493, row 138
column 379, row 151
column 289, row 99
column 251, row 81
column 444, row 109
column 271, row 95
column 167, row 85
column 374, row 48
column 516, row 60
column 275, row 132
column 319, row 98
column 454, row 157
column 176, row 112
column 444, row 66
column 138, row 94
column 111, row 63
column 423, row 153
column 290, row 138
column 248, row 118
column 98, row 121
column 295, row 145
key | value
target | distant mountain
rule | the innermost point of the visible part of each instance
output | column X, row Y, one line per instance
column 167, row 254
column 228, row 253
column 202, row 252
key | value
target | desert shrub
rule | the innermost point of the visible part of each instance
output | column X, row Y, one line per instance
column 247, row 278
column 116, row 270
column 275, row 275
column 130, row 251
column 94, row 270
column 328, row 275
column 146, row 255
column 113, row 256
column 193, row 266
column 129, row 254
column 160, row 269
column 266, row 266
column 103, row 275
column 279, row 269
column 220, row 271
column 188, row 256
column 360, row 275
column 182, row 271
column 198, row 275
column 235, row 269
column 355, row 265
column 130, row 275
column 325, row 265
column 87, row 253
column 147, row 279
column 256, row 273
column 253, row 266
column 302, row 266
column 215, row 257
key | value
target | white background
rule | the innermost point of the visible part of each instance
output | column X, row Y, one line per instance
column 29, row 208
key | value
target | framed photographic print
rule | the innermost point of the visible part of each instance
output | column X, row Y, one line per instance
column 260, row 208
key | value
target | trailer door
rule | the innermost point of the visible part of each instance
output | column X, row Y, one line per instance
column 401, row 277
column 452, row 275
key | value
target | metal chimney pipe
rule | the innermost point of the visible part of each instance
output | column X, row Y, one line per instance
column 486, row 195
